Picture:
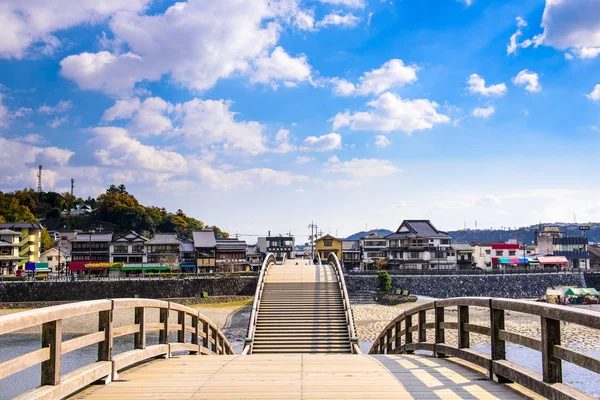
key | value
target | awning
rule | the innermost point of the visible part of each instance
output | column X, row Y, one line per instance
column 581, row 292
column 511, row 260
column 43, row 270
column 559, row 260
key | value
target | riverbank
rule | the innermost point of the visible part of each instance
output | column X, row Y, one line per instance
column 371, row 319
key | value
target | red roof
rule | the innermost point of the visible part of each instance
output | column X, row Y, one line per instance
column 506, row 246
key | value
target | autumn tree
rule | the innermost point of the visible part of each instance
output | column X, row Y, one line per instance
column 46, row 240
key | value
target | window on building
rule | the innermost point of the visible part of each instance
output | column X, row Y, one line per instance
column 64, row 238
column 121, row 249
column 50, row 258
column 488, row 251
column 499, row 253
column 327, row 243
column 445, row 241
column 138, row 248
column 512, row 253
column 414, row 254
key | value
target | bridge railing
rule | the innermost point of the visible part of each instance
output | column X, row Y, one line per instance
column 204, row 338
column 335, row 263
column 397, row 338
column 268, row 261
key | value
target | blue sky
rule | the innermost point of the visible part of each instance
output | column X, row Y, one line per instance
column 263, row 115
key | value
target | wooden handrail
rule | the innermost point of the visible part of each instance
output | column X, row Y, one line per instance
column 397, row 338
column 108, row 364
column 335, row 263
column 267, row 262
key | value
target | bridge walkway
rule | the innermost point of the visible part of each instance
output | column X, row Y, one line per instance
column 301, row 311
column 303, row 376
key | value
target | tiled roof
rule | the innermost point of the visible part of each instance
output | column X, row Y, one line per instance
column 462, row 247
column 231, row 244
column 95, row 237
column 20, row 225
column 8, row 232
column 419, row 228
column 187, row 247
column 138, row 238
column 204, row 239
column 350, row 245
column 164, row 238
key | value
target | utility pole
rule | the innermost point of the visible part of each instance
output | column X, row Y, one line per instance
column 313, row 229
column 72, row 185
column 39, row 176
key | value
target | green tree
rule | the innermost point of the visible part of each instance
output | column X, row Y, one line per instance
column 46, row 240
column 11, row 210
column 385, row 280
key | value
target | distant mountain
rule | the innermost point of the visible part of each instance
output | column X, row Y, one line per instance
column 361, row 234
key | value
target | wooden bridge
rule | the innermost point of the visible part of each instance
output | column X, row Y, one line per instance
column 317, row 358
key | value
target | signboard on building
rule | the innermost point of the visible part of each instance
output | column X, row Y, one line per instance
column 584, row 227
column 551, row 229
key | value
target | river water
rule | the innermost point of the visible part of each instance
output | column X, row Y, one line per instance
column 14, row 345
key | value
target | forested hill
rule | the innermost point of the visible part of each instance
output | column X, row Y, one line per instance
column 116, row 210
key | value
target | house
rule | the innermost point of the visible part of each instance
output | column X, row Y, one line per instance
column 230, row 255
column 464, row 255
column 328, row 244
column 482, row 254
column 90, row 248
column 594, row 253
column 351, row 254
column 417, row 244
column 9, row 251
column 507, row 254
column 574, row 248
column 57, row 259
column 374, row 248
column 129, row 248
column 280, row 246
column 30, row 234
column 205, row 246
column 187, row 256
column 79, row 210
column 254, row 257
column 164, row 249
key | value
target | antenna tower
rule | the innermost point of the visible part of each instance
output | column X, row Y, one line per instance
column 72, row 185
column 39, row 176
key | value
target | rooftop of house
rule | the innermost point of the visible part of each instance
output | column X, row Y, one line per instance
column 20, row 225
column 417, row 228
column 350, row 245
column 164, row 238
column 8, row 232
column 204, row 239
column 7, row 244
column 462, row 247
column 130, row 237
column 230, row 244
column 187, row 246
column 94, row 237
column 63, row 251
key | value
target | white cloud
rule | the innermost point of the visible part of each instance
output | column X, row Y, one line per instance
column 585, row 53
column 208, row 122
column 483, row 112
column 150, row 118
column 303, row 159
column 33, row 138
column 304, row 20
column 466, row 2
column 328, row 142
column 381, row 141
column 361, row 168
column 477, row 85
column 512, row 45
column 521, row 23
column 4, row 114
column 334, row 19
column 391, row 113
column 279, row 66
column 122, row 109
column 595, row 95
column 530, row 79
column 61, row 107
column 283, row 143
column 347, row 3
column 213, row 40
column 29, row 22
column 392, row 74
column 572, row 25
column 58, row 121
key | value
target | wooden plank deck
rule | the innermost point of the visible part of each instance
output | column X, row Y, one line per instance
column 302, row 376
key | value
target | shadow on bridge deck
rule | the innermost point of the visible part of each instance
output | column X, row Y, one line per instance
column 304, row 376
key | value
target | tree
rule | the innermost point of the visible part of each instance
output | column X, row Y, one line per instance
column 170, row 260
column 384, row 280
column 381, row 263
column 46, row 240
column 13, row 211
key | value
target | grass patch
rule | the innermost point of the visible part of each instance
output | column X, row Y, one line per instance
column 229, row 304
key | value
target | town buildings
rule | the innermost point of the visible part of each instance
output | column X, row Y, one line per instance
column 374, row 248
column 464, row 255
column 205, row 245
column 129, row 248
column 351, row 254
column 327, row 245
column 280, row 246
column 90, row 248
column 230, row 255
column 29, row 240
column 56, row 259
column 164, row 249
column 187, row 256
column 9, row 251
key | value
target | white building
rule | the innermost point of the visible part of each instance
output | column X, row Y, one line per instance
column 373, row 248
column 53, row 257
column 482, row 256
column 129, row 248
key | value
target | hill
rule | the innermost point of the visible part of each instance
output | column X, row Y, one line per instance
column 358, row 235
column 116, row 211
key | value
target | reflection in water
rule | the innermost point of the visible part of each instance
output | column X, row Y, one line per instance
column 14, row 345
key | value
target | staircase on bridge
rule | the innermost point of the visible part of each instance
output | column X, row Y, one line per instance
column 301, row 311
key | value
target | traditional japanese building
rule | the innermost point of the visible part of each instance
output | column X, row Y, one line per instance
column 374, row 248
column 231, row 255
column 188, row 256
column 90, row 248
column 328, row 244
column 351, row 254
column 205, row 246
column 129, row 248
column 164, row 249
column 280, row 246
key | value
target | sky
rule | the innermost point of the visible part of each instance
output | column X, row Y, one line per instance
column 261, row 116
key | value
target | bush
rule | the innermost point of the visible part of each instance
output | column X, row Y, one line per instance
column 385, row 280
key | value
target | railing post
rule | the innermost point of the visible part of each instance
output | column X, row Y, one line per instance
column 398, row 338
column 105, row 348
column 196, row 332
column 422, row 331
column 206, row 338
column 163, row 336
column 498, row 346
column 408, row 337
column 214, row 337
column 463, row 335
column 181, row 321
column 52, row 338
column 551, row 366
column 440, row 336
column 140, row 337
column 388, row 335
